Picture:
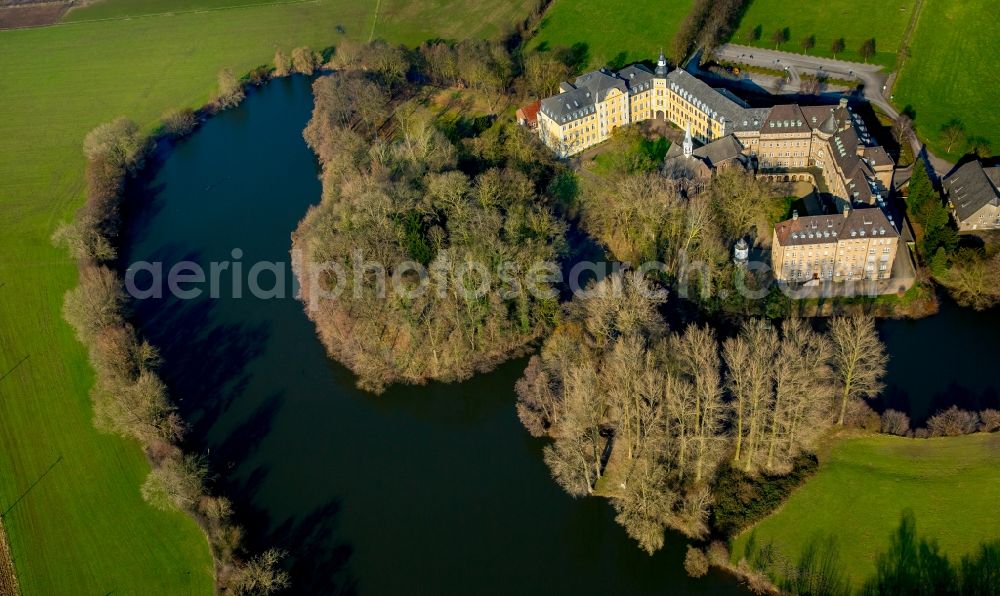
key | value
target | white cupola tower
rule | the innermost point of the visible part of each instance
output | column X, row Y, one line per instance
column 688, row 142
column 661, row 65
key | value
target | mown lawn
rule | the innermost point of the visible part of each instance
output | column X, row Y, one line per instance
column 854, row 20
column 864, row 484
column 952, row 73
column 83, row 528
column 612, row 31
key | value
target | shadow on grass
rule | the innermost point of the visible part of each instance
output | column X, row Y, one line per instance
column 911, row 565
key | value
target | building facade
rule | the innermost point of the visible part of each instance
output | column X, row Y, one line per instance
column 974, row 196
column 856, row 245
column 831, row 139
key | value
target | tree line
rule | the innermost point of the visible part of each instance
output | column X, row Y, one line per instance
column 708, row 23
column 129, row 398
column 396, row 190
column 950, row 422
column 659, row 412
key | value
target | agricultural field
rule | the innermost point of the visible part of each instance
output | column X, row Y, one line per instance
column 70, row 495
column 950, row 73
column 865, row 483
column 412, row 22
column 612, row 32
column 853, row 20
column 116, row 9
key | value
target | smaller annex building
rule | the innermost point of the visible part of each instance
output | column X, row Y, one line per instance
column 974, row 196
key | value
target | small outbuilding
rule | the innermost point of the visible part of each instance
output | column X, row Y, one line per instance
column 528, row 115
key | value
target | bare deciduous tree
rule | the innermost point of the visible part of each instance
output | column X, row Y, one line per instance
column 837, row 46
column 645, row 506
column 260, row 575
column 802, row 380
column 119, row 142
column 304, row 60
column 859, row 359
column 895, row 422
column 952, row 133
column 231, row 91
column 177, row 482
column 695, row 562
column 749, row 357
column 96, row 303
column 973, row 279
column 953, row 422
column 282, row 65
column 697, row 355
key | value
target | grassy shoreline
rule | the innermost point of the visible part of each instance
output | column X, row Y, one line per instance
column 866, row 481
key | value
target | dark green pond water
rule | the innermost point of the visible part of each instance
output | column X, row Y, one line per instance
column 433, row 489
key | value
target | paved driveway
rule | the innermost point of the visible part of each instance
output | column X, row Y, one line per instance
column 871, row 75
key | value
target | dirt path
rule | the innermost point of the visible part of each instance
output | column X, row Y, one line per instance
column 8, row 581
column 31, row 15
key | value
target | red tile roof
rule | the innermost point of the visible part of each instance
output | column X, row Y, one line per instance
column 529, row 112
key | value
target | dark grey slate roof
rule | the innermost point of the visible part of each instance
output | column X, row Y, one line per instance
column 720, row 151
column 736, row 99
column 718, row 106
column 751, row 119
column 821, row 229
column 845, row 146
column 638, row 77
column 569, row 105
column 993, row 173
column 786, row 118
column 580, row 97
column 877, row 156
column 599, row 82
column 970, row 189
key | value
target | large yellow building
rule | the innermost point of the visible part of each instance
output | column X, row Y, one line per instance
column 588, row 110
column 832, row 139
column 856, row 245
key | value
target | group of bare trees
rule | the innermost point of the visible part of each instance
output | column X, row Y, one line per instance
column 687, row 226
column 950, row 422
column 113, row 150
column 129, row 398
column 647, row 416
column 397, row 198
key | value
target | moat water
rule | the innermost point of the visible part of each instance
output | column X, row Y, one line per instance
column 432, row 489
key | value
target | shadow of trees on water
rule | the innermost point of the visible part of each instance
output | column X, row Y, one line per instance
column 207, row 369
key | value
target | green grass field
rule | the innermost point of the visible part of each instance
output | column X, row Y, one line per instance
column 82, row 528
column 864, row 484
column 854, row 20
column 114, row 9
column 637, row 29
column 951, row 72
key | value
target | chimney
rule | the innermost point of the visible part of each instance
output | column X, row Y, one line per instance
column 843, row 102
column 795, row 214
column 847, row 211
